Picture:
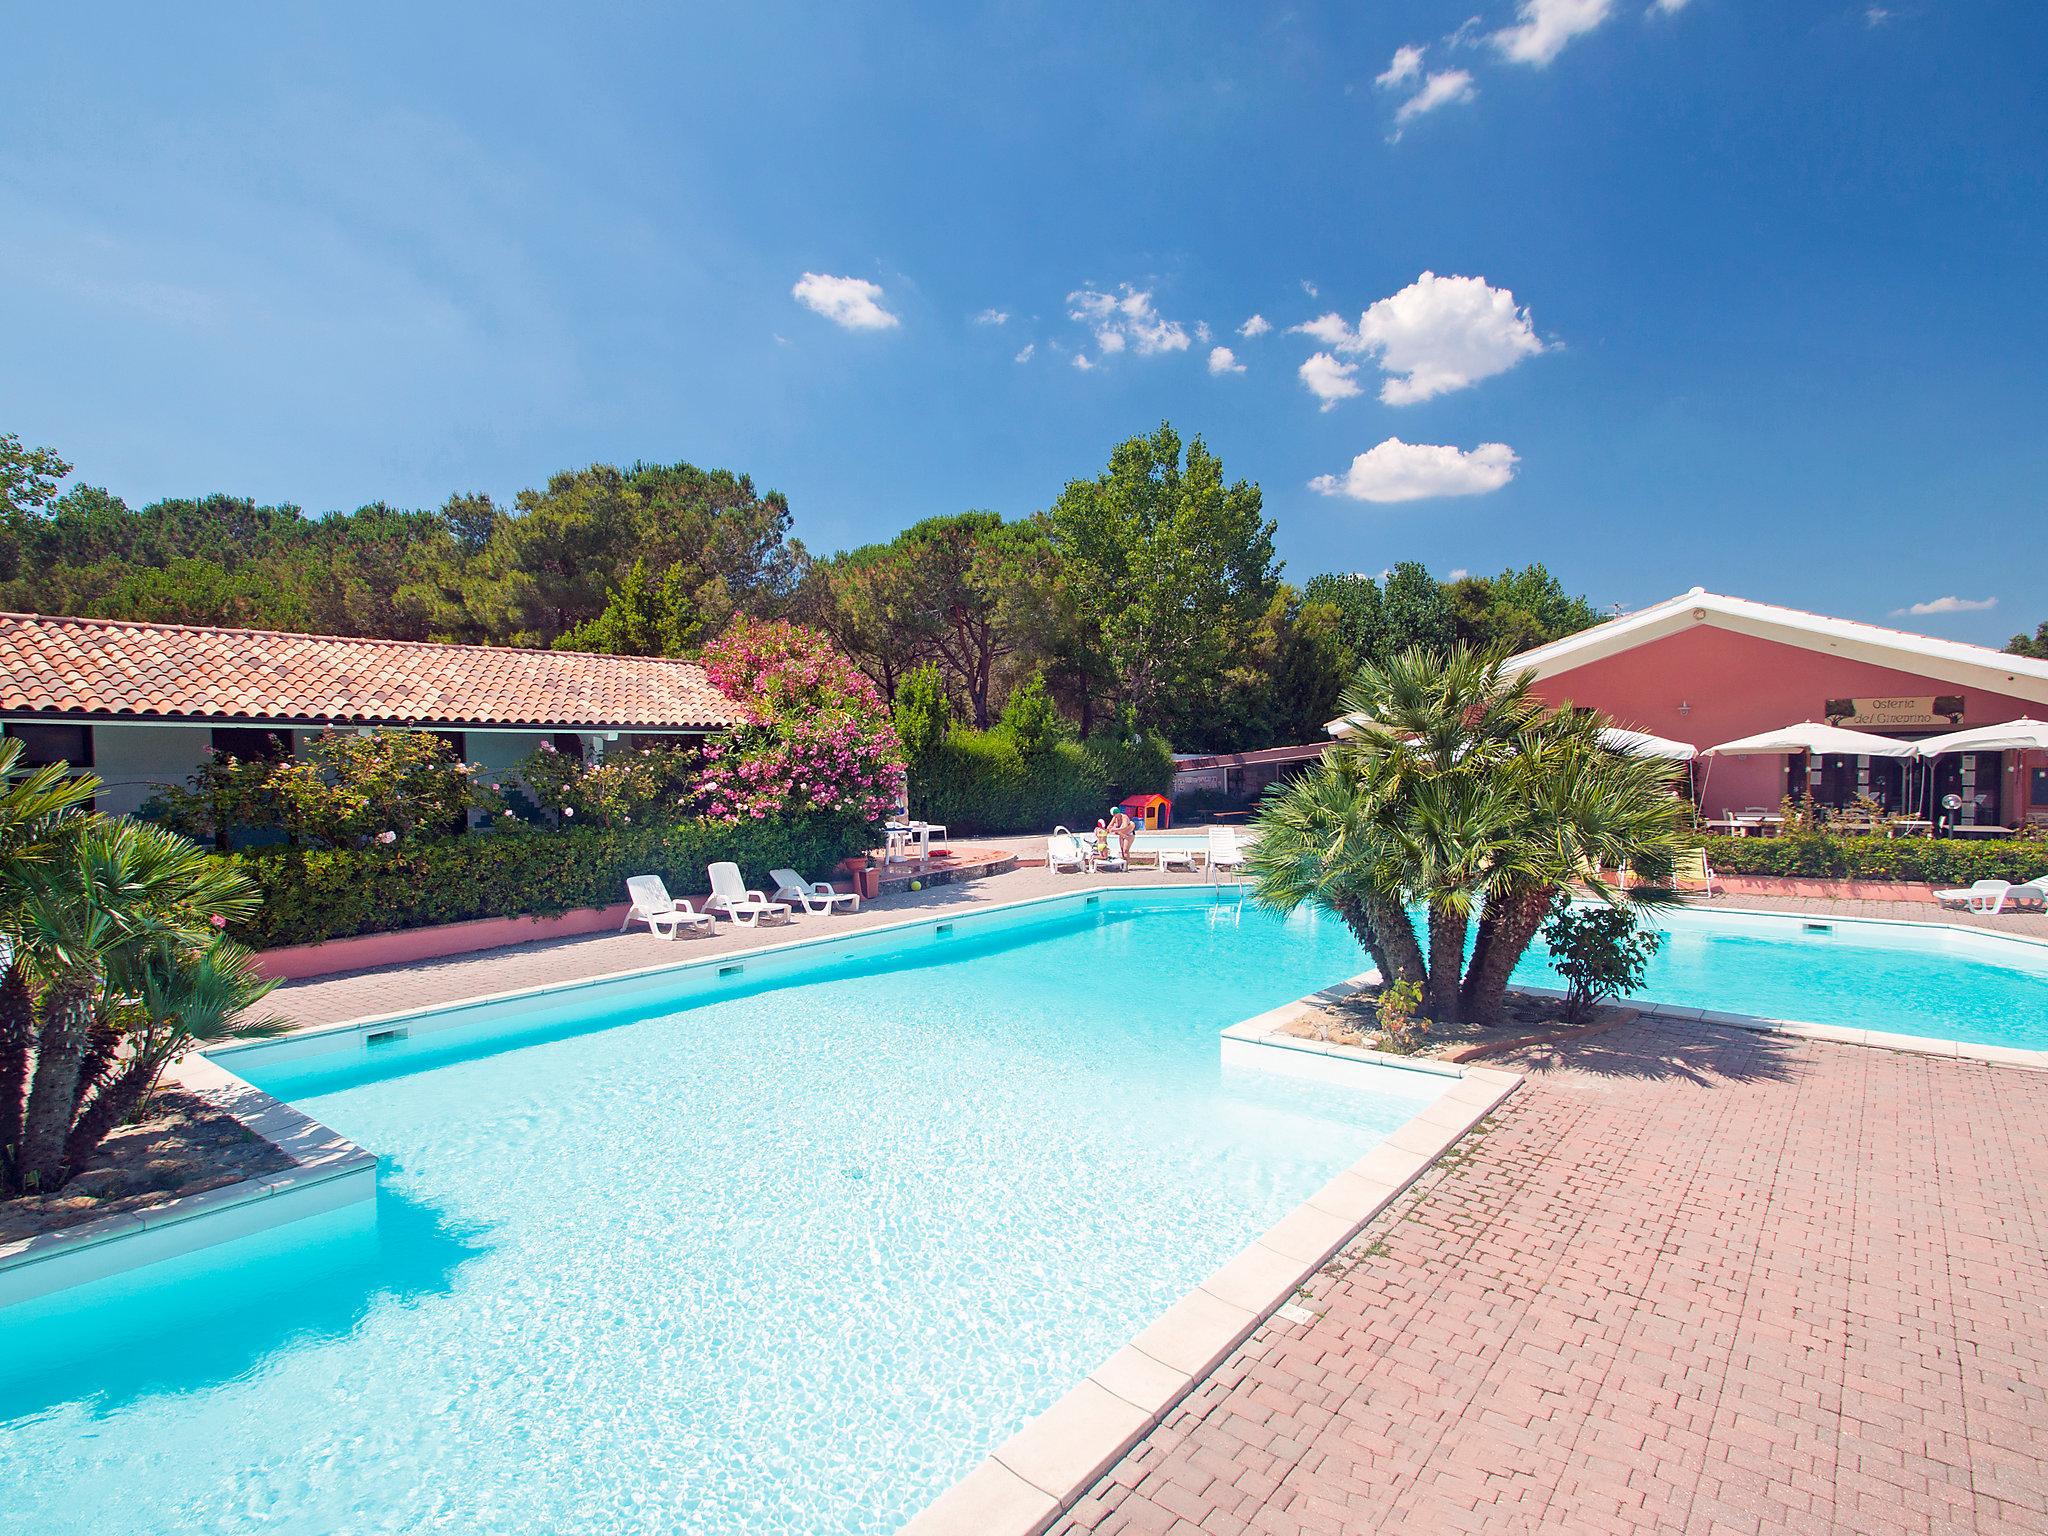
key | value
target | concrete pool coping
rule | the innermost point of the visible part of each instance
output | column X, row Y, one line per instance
column 1041, row 1471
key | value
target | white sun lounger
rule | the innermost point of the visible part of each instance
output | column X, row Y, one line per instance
column 815, row 895
column 1063, row 851
column 653, row 906
column 729, row 894
column 1994, row 896
column 1111, row 857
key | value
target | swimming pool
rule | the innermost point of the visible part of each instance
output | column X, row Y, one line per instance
column 1897, row 978
column 707, row 1251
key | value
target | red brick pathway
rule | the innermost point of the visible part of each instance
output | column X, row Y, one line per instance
column 1689, row 1279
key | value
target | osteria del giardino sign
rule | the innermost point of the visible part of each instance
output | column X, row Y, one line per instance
column 1944, row 709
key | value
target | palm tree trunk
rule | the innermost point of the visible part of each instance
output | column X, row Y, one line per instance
column 66, row 1024
column 17, row 1034
column 1505, row 933
column 1384, row 929
column 115, row 1101
column 1440, row 993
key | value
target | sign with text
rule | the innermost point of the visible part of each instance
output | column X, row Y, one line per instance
column 1944, row 709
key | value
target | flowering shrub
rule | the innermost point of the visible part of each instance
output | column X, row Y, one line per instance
column 646, row 785
column 816, row 737
column 347, row 789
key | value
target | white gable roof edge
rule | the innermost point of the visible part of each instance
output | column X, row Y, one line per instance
column 1977, row 666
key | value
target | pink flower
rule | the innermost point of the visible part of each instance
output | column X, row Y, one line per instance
column 387, row 837
column 218, row 921
column 568, row 810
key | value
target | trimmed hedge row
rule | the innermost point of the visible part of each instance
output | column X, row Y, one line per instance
column 332, row 893
column 1952, row 861
column 980, row 782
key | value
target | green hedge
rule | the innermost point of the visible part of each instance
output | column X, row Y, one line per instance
column 979, row 782
column 1950, row 861
column 331, row 893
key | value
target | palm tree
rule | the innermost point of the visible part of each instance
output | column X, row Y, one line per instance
column 115, row 908
column 1459, row 792
column 33, row 805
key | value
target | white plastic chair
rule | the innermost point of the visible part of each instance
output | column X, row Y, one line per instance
column 653, row 906
column 1224, row 852
column 729, row 894
column 815, row 895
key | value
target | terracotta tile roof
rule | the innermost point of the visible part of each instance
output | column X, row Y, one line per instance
column 1306, row 753
column 110, row 667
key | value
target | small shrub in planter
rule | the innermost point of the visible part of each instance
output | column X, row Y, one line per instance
column 1600, row 951
column 1395, row 1009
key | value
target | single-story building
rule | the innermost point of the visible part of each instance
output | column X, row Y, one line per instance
column 1706, row 669
column 1241, row 775
column 141, row 704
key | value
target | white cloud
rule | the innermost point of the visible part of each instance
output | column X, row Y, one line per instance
column 1332, row 330
column 992, row 317
column 1129, row 317
column 1406, row 66
column 1444, row 333
column 1081, row 362
column 853, row 302
column 1947, row 605
column 1398, row 471
column 1024, row 355
column 1442, row 89
column 1876, row 16
column 1258, row 325
column 1461, row 572
column 1329, row 380
column 1668, row 7
column 1436, row 335
column 1223, row 360
column 1311, row 289
column 1545, row 26
column 1202, row 333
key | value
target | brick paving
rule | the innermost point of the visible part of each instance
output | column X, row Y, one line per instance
column 1688, row 1279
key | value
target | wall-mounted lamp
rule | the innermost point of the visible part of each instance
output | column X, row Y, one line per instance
column 1684, row 707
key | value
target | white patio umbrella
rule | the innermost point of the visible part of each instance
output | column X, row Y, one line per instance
column 1812, row 738
column 1643, row 744
column 2022, row 735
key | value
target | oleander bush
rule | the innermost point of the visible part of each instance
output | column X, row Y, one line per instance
column 310, row 894
column 1933, row 860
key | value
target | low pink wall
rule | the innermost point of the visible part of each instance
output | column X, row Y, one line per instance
column 1839, row 890
column 298, row 961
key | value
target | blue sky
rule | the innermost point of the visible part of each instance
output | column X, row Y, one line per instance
column 1755, row 291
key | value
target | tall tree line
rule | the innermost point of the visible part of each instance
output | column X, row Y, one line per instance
column 1148, row 592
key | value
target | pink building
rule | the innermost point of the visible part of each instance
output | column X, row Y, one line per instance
column 1702, row 668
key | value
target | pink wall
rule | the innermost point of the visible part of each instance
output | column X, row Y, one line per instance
column 1737, row 685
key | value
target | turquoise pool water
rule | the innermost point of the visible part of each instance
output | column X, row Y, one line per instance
column 1897, row 977
column 762, row 1258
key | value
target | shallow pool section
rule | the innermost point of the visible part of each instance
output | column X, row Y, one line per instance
column 787, row 1249
column 1900, row 978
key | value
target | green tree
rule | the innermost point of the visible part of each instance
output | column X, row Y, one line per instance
column 2037, row 645
column 1517, row 610
column 1169, row 567
column 1415, row 613
column 1356, row 599
column 29, row 477
column 641, row 618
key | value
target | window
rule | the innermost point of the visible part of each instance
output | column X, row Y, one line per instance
column 45, row 744
column 569, row 744
column 252, row 743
